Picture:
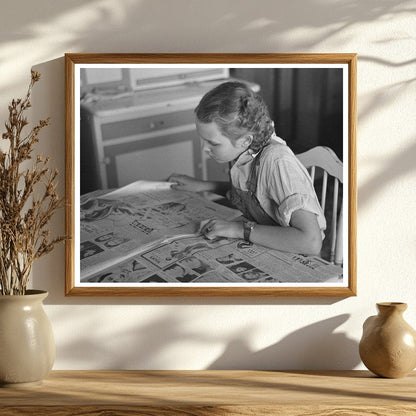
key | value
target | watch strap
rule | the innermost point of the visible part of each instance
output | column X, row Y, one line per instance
column 247, row 228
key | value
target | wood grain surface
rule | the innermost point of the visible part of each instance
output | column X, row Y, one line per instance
column 201, row 393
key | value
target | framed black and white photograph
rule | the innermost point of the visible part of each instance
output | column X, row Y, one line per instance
column 211, row 174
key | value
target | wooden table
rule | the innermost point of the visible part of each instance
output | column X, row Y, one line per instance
column 254, row 393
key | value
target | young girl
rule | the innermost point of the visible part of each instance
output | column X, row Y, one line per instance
column 268, row 185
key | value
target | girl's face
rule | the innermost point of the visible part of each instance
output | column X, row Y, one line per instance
column 217, row 146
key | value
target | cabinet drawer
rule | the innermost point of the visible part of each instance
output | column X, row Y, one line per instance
column 154, row 158
column 142, row 125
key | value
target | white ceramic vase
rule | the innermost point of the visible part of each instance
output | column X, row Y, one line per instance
column 27, row 346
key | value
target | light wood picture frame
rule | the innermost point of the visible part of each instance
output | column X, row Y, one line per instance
column 314, row 97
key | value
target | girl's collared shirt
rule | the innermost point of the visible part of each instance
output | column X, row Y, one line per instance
column 283, row 183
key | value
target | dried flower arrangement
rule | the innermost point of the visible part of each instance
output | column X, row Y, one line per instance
column 28, row 199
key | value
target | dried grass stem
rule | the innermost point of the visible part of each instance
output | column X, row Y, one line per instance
column 28, row 199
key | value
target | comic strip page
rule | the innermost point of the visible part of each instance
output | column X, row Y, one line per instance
column 118, row 225
column 220, row 261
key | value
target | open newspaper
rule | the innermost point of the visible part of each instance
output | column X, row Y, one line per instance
column 146, row 232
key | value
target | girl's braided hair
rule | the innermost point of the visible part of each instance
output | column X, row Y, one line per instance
column 237, row 110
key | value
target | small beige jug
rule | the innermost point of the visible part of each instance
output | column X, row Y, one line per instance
column 388, row 345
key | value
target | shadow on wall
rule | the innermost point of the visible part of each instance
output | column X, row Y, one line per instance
column 141, row 347
column 314, row 347
column 393, row 169
column 48, row 100
column 133, row 18
column 107, row 26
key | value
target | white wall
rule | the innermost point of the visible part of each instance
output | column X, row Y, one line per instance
column 200, row 333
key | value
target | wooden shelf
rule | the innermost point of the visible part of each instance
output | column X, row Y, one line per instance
column 203, row 393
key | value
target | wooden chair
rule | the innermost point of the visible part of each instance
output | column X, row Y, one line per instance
column 329, row 164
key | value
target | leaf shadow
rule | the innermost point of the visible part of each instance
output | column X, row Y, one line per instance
column 316, row 346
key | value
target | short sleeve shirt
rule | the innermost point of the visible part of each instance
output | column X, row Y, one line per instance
column 283, row 183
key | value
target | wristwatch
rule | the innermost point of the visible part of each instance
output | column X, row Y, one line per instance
column 248, row 228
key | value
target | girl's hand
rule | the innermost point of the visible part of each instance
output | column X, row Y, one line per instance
column 220, row 228
column 186, row 183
